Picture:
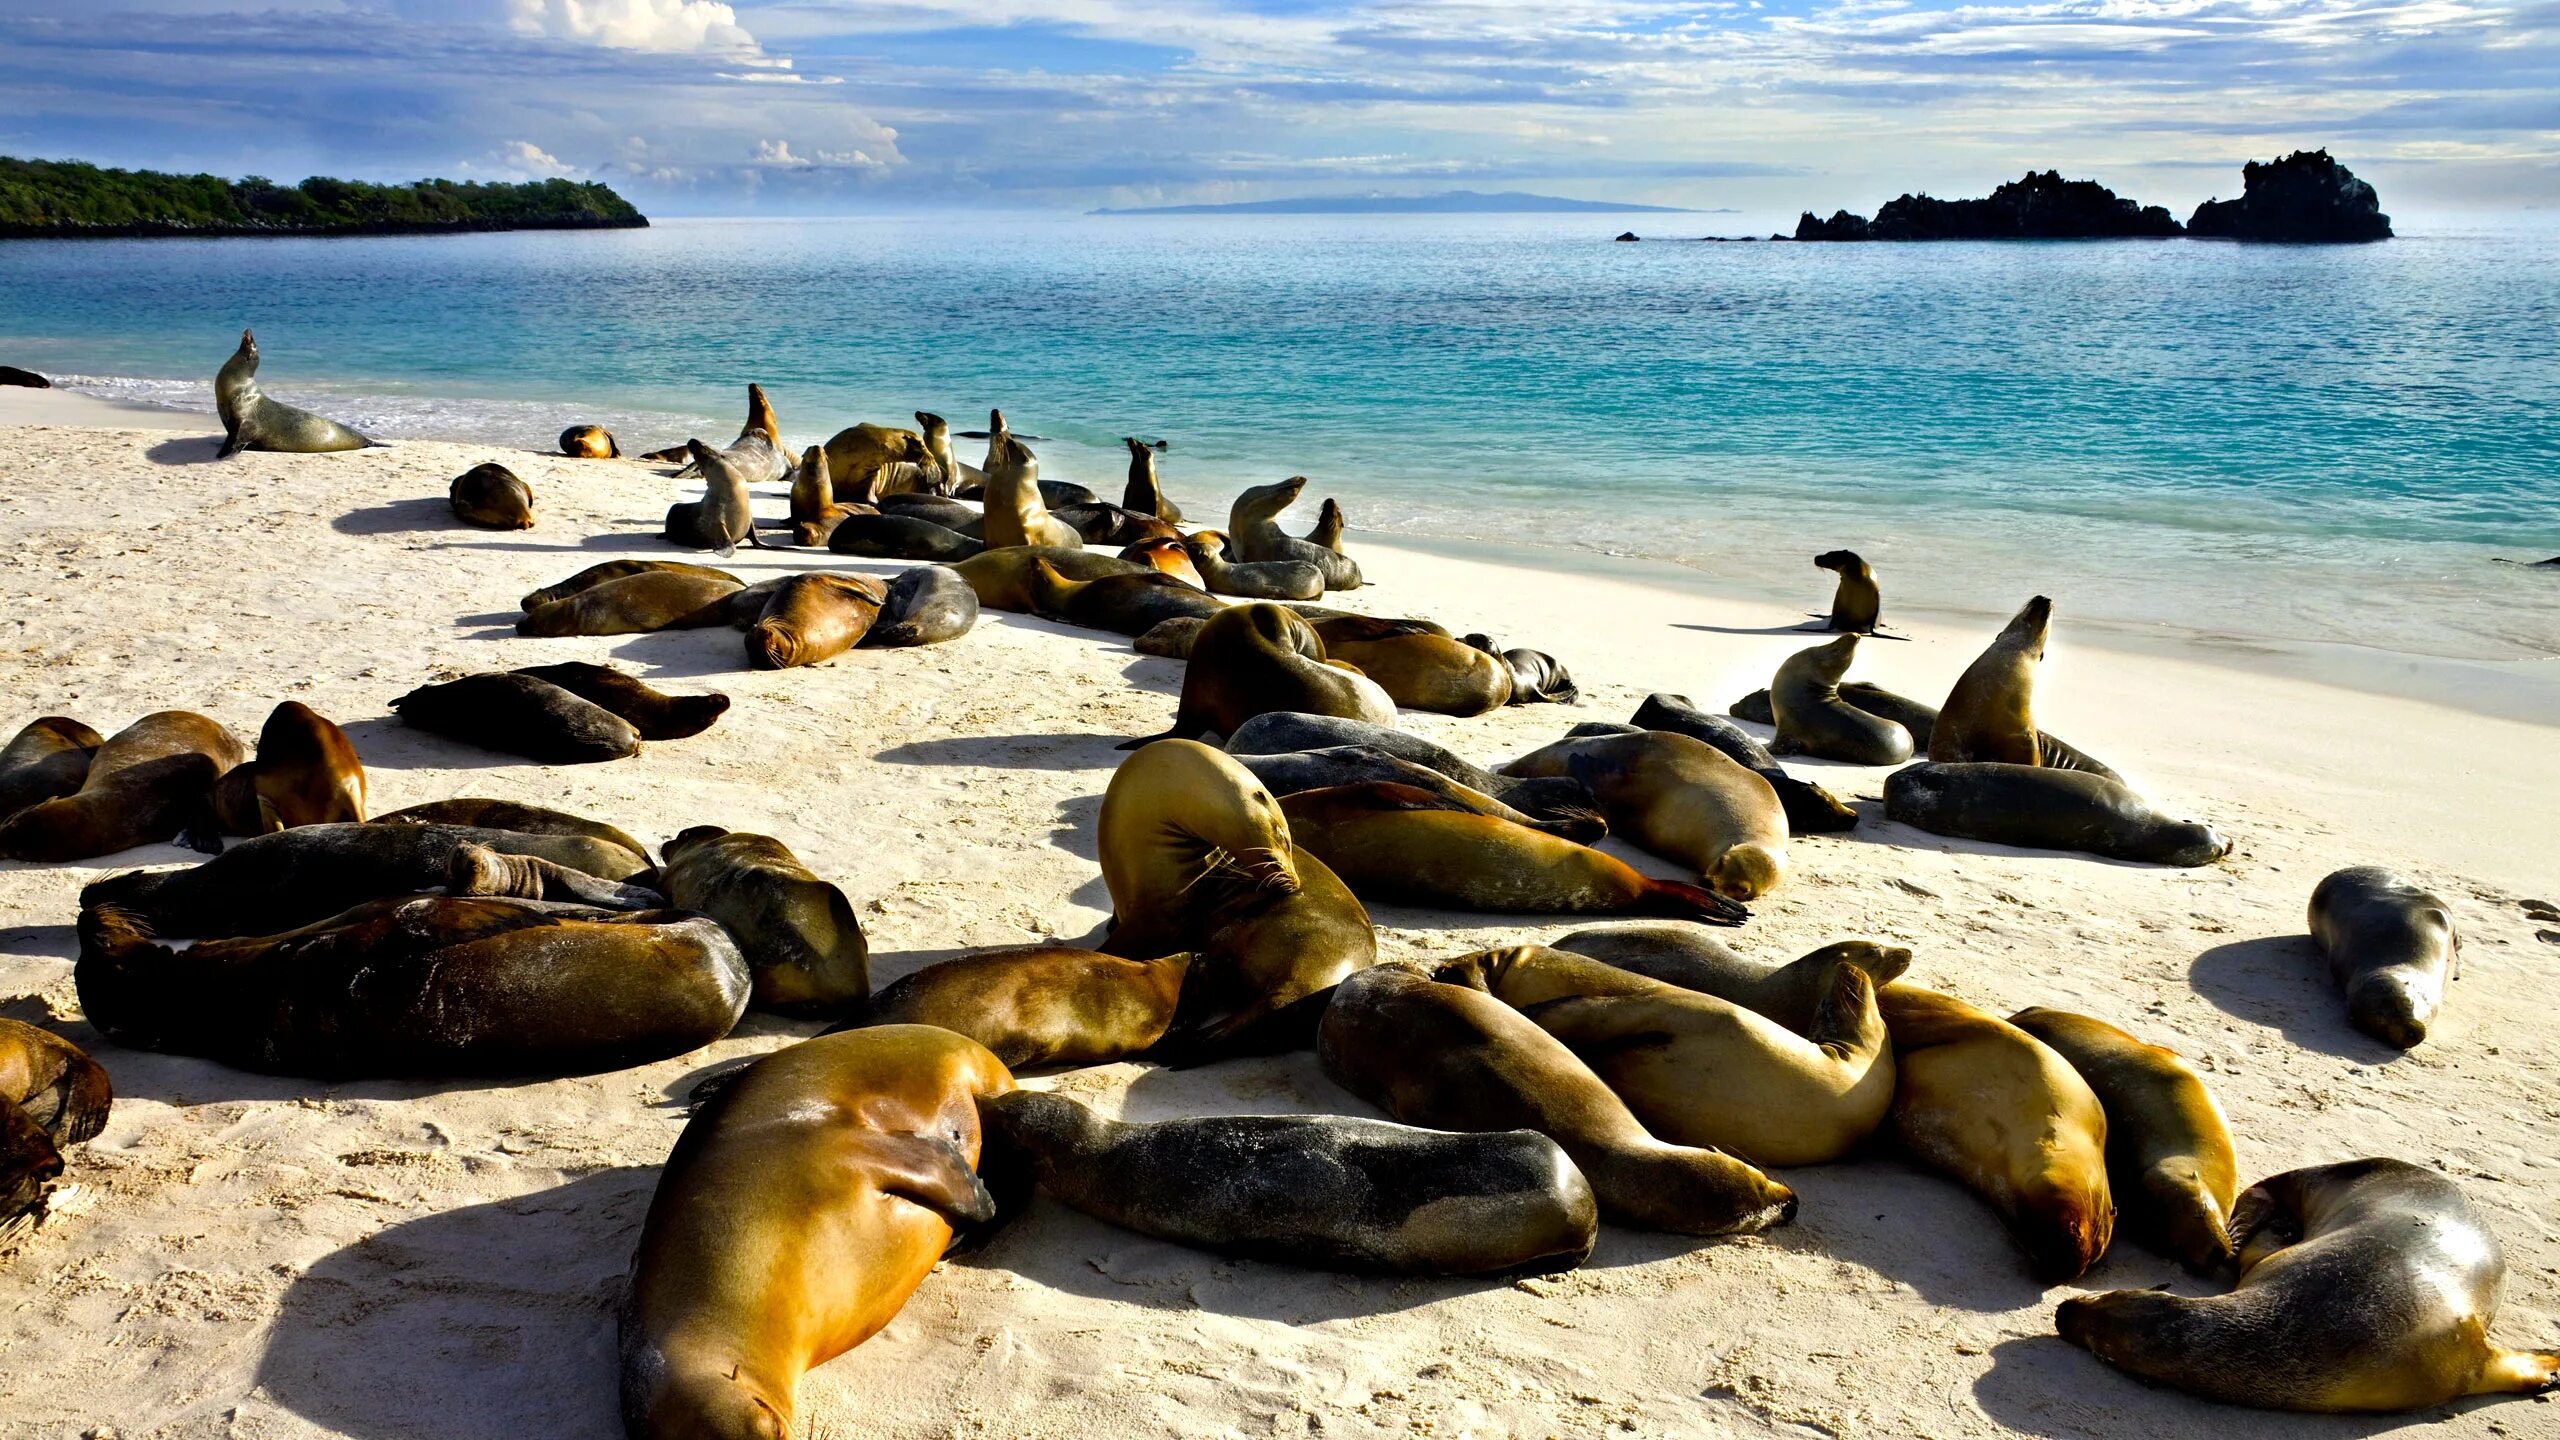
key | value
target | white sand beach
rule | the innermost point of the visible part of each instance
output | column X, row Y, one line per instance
column 262, row 1258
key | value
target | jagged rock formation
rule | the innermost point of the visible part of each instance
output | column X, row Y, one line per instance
column 2305, row 198
column 2042, row 206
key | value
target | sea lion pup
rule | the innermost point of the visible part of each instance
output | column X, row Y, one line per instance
column 1452, row 1058
column 1420, row 671
column 520, row 715
column 589, row 442
column 1270, row 580
column 1197, row 857
column 1015, row 514
column 274, row 883
column 595, row 575
column 924, row 606
column 1254, row 521
column 1921, row 719
column 251, row 421
column 2390, row 944
column 653, row 713
column 1169, row 554
column 899, row 537
column 475, row 869
column 421, row 986
column 1681, row 799
column 1557, row 799
column 1989, row 716
column 1983, row 1101
column 2368, row 1285
column 45, row 761
column 1792, row 994
column 2037, row 807
column 1251, row 659
column 722, row 519
column 1324, row 1191
column 1002, row 578
column 1407, row 846
column 1328, row 531
column 1040, row 1005
column 1535, row 675
column 814, row 511
column 492, row 497
column 1295, row 772
column 812, row 619
column 476, row 813
column 52, row 1096
column 637, row 604
column 798, row 932
column 149, row 782
column 1812, row 719
column 306, row 773
column 1855, row 605
column 1142, row 493
column 802, row 1206
column 1124, row 604
column 1703, row 1071
column 2170, row 1164
column 1811, row 810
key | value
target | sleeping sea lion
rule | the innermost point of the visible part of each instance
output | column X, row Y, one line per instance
column 306, row 773
column 1269, row 580
column 595, row 575
column 492, row 497
column 45, row 761
column 2390, row 944
column 1452, row 1058
column 812, row 619
column 1989, row 716
column 1681, row 799
column 1326, row 1191
column 1554, row 799
column 589, row 442
column 637, row 604
column 1169, row 554
column 958, row 516
column 723, row 519
column 1101, row 523
column 1424, row 672
column 1002, row 578
column 520, row 715
column 1125, row 604
column 2169, row 1159
column 799, row 934
column 652, row 713
column 1855, row 605
column 1811, row 810
column 1298, row 771
column 1535, row 675
column 1040, row 1005
column 1142, row 494
column 52, row 1097
column 476, row 869
column 473, row 812
column 1015, row 511
column 1253, row 659
column 1254, row 521
column 924, row 606
column 1812, row 719
column 899, row 537
column 2041, row 808
column 251, row 421
column 1693, row 958
column 149, row 782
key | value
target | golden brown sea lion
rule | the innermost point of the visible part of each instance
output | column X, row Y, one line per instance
column 1453, row 1058
column 635, row 605
column 589, row 442
column 1856, row 604
column 1425, row 672
column 798, row 932
column 1142, row 493
column 1040, row 1004
column 492, row 497
column 1681, row 799
column 1989, row 716
column 814, row 511
column 802, row 1206
column 859, row 448
column 1812, row 719
column 1002, row 578
column 1015, row 514
column 45, row 761
column 149, row 782
column 1994, row 1107
column 306, row 773
column 1250, row 660
column 52, row 1096
column 2170, row 1165
column 1329, row 525
column 1699, row 1070
column 1168, row 554
column 610, row 570
column 1125, row 604
column 2390, row 944
column 813, row 618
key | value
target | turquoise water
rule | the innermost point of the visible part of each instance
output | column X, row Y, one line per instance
column 2324, row 444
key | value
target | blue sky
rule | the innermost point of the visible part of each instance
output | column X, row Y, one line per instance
column 853, row 106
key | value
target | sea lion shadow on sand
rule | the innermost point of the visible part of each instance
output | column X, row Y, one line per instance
column 1155, row 674
column 393, row 517
column 510, row 1303
column 2041, row 1385
column 658, row 656
column 387, row 743
column 2282, row 982
column 186, row 450
column 1057, row 750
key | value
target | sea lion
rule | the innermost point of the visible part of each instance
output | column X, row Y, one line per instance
column 1407, row 846
column 1535, row 675
column 595, row 575
column 251, row 421
column 757, row 454
column 723, row 519
column 27, row 379
column 2364, row 1286
column 1142, row 494
column 1328, row 530
column 1989, row 716
column 652, row 713
column 1014, row 510
column 1921, row 719
column 589, row 442
column 149, row 782
column 1253, row 659
column 1855, row 605
column 473, row 812
column 1197, row 857
column 950, row 475
column 1679, row 798
column 1812, row 719
column 1297, row 771
column 899, row 537
column 274, row 883
column 1985, row 1102
column 45, row 761
column 2170, row 1164
column 924, row 606
column 912, row 475
column 2390, row 944
column 1002, row 578
column 799, row 934
column 958, row 516
column 814, row 511
column 1169, row 554
column 306, row 773
column 812, row 619
column 1270, row 580
column 1700, row 1070
column 1254, row 521
column 2041, row 808
column 1125, row 604
column 1040, row 1005
column 1424, row 672
column 1452, row 1058
column 1811, row 810
column 492, row 497
column 421, row 986
column 1692, row 958
column 520, row 715
column 857, row 449
column 802, row 1206
column 1325, row 1191
column 1169, row 639
column 1100, row 523
column 476, row 869
column 52, row 1096
column 1556, row 799
column 637, row 604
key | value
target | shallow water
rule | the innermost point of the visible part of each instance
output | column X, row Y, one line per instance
column 2312, row 444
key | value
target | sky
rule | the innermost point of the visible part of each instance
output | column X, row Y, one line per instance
column 1760, row 107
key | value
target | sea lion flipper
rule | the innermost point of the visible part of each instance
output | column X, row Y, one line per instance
column 2518, row 1372
column 931, row 1172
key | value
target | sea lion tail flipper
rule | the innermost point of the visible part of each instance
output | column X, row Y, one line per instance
column 931, row 1172
column 1673, row 900
column 2518, row 1372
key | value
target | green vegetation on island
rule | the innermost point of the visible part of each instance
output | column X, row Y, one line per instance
column 63, row 199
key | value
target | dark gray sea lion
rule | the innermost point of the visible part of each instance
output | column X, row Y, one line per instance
column 492, row 497
column 1254, row 521
column 1679, row 798
column 1002, row 578
column 1452, row 1058
column 1270, row 580
column 812, row 619
column 2390, row 944
column 1989, row 715
column 1142, row 493
column 1811, row 810
column 421, row 987
column 45, row 761
column 306, row 773
column 2170, row 1164
column 1536, row 676
column 1329, row 525
column 653, row 713
column 1101, row 523
column 723, row 519
column 1253, row 659
column 251, row 421
column 476, row 813
column 1297, row 771
column 52, row 1097
column 1921, row 720
column 1123, row 604
column 520, row 715
column 1039, row 1005
column 149, row 782
column 1855, row 605
column 589, row 442
column 2364, row 1286
column 25, row 379
column 595, row 575
column 957, row 516
column 924, row 606
column 1692, row 958
column 1813, row 720
column 2036, row 807
column 476, row 869
column 638, row 604
column 1324, row 1191
column 798, row 932
column 899, row 537
column 1278, row 733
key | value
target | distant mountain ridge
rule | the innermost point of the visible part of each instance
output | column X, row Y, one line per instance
column 1452, row 202
column 66, row 199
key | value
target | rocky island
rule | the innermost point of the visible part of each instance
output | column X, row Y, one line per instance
column 2306, row 197
column 63, row 199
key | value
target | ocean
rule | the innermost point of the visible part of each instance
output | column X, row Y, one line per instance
column 2322, row 445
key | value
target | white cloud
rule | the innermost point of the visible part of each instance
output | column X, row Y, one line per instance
column 778, row 154
column 633, row 24
column 532, row 159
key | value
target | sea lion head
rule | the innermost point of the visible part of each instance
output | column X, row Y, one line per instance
column 760, row 415
column 2026, row 629
column 1211, row 542
column 589, row 442
column 1265, row 502
column 1845, row 562
column 1747, row 871
column 1883, row 963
